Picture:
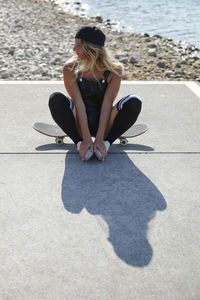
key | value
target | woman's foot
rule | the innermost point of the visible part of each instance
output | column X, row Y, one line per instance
column 98, row 153
column 88, row 153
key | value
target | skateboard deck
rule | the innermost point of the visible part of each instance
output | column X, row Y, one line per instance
column 59, row 135
column 133, row 131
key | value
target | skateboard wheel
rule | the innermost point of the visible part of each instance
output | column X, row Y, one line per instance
column 123, row 142
column 59, row 141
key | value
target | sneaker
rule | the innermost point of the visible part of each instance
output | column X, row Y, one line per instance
column 88, row 153
column 98, row 153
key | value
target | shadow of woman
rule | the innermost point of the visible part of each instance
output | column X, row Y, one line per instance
column 121, row 196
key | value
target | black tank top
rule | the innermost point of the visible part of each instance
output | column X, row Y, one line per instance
column 93, row 90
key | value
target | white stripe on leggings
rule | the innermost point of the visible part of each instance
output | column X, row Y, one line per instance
column 71, row 104
column 125, row 99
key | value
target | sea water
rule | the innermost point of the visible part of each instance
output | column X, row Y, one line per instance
column 176, row 19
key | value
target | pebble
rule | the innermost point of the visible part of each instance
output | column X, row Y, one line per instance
column 161, row 65
column 179, row 72
column 178, row 65
column 196, row 64
column 152, row 45
column 120, row 55
column 35, row 48
column 98, row 19
column 158, row 36
column 133, row 60
column 169, row 73
column 152, row 52
column 183, row 62
column 124, row 60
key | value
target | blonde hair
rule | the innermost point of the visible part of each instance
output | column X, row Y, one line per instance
column 96, row 57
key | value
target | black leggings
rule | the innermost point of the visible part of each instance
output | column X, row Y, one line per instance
column 61, row 107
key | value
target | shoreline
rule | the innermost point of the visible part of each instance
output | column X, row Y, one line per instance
column 37, row 38
column 78, row 9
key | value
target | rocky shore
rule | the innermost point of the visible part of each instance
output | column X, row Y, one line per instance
column 36, row 39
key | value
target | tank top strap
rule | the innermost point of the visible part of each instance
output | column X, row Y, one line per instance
column 79, row 74
column 106, row 74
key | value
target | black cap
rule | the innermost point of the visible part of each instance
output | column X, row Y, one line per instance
column 91, row 34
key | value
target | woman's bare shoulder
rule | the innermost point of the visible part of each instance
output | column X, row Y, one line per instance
column 69, row 69
column 69, row 65
column 117, row 73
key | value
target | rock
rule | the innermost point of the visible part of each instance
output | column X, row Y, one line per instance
column 29, row 53
column 20, row 53
column 157, row 36
column 179, row 72
column 183, row 62
column 43, row 65
column 161, row 65
column 196, row 64
column 2, row 62
column 152, row 52
column 4, row 74
column 169, row 73
column 35, row 71
column 150, row 62
column 152, row 45
column 189, row 60
column 44, row 74
column 99, row 19
column 124, row 60
column 194, row 76
column 133, row 60
column 145, row 34
column 11, row 52
column 195, row 58
column 114, row 45
column 177, row 65
column 138, row 65
column 120, row 55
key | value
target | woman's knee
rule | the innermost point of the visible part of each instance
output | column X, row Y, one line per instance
column 56, row 99
column 137, row 103
column 133, row 105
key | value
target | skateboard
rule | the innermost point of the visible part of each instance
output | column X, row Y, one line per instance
column 59, row 135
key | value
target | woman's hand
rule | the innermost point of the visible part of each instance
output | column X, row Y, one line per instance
column 85, row 145
column 99, row 145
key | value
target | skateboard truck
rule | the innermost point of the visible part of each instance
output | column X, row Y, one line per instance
column 59, row 141
column 123, row 141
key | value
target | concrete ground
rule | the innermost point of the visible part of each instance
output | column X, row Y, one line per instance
column 126, row 228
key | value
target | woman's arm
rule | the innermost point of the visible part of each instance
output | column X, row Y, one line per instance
column 109, row 97
column 74, row 93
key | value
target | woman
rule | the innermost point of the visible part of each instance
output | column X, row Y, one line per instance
column 92, row 81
